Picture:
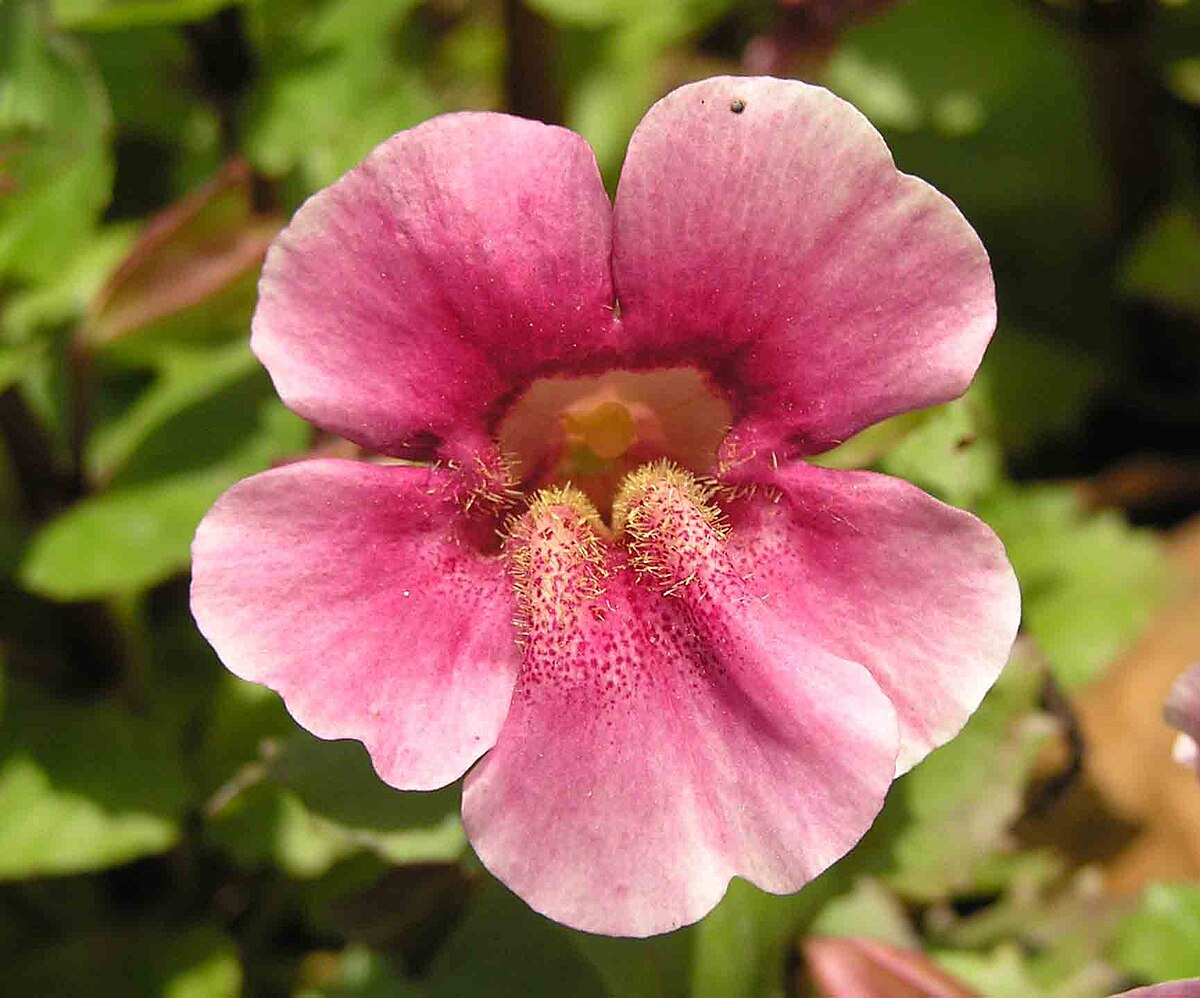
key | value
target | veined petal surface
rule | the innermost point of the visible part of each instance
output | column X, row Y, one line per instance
column 665, row 736
column 878, row 572
column 354, row 590
column 435, row 278
column 762, row 228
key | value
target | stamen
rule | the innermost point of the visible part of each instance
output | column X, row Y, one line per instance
column 592, row 431
column 557, row 562
column 669, row 522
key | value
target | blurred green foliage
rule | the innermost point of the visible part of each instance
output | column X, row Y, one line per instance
column 1163, row 935
column 167, row 830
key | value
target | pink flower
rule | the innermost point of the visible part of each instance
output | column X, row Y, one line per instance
column 870, row 968
column 723, row 655
column 1183, row 713
column 1189, row 988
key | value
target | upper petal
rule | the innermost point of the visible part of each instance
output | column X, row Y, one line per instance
column 664, row 736
column 435, row 277
column 355, row 592
column 762, row 228
column 878, row 572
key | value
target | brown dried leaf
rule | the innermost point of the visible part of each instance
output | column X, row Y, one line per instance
column 1135, row 812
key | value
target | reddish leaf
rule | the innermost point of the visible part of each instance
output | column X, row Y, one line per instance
column 189, row 253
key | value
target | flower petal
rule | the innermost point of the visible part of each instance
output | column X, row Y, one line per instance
column 354, row 591
column 659, row 744
column 842, row 967
column 762, row 228
column 878, row 572
column 1182, row 712
column 1183, row 705
column 1189, row 988
column 435, row 277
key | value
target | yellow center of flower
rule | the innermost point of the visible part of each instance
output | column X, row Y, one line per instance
column 599, row 434
column 591, row 432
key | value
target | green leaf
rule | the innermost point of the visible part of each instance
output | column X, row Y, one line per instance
column 948, row 450
column 1011, row 971
column 39, row 320
column 136, row 536
column 1183, row 79
column 363, row 974
column 202, row 964
column 265, row 824
column 658, row 967
column 950, row 454
column 1063, row 925
column 616, row 71
column 1164, row 261
column 305, row 804
column 1037, row 387
column 741, row 946
column 243, row 719
column 121, row 541
column 54, row 157
column 83, row 788
column 504, row 950
column 15, row 361
column 59, row 303
column 108, row 14
column 1089, row 581
column 868, row 911
column 332, row 87
column 866, row 449
column 999, row 974
column 186, row 376
column 588, row 13
column 1161, row 939
column 197, row 962
column 336, row 783
column 252, row 817
column 960, row 801
column 159, row 57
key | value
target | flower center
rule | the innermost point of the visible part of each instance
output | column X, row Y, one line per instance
column 590, row 432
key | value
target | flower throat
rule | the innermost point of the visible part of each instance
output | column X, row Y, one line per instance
column 593, row 431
